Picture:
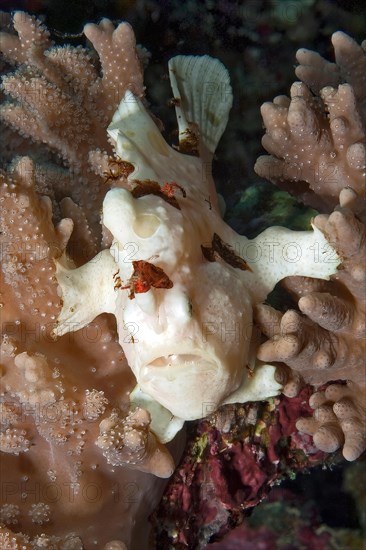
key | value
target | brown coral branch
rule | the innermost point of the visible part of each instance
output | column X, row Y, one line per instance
column 54, row 394
column 317, row 143
column 57, row 97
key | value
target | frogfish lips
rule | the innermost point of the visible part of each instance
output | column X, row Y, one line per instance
column 201, row 380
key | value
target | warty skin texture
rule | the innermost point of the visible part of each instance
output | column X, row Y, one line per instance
column 191, row 342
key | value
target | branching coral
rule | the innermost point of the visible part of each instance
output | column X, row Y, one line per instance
column 316, row 137
column 58, row 97
column 54, row 395
column 325, row 340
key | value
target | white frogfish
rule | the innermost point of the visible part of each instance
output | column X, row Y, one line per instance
column 181, row 283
